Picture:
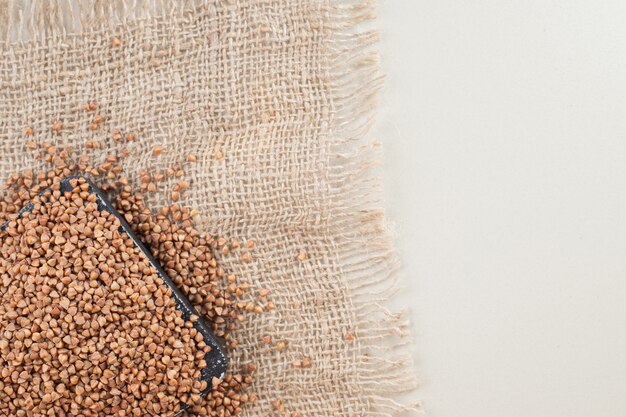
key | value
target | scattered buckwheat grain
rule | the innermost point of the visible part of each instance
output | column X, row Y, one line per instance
column 157, row 150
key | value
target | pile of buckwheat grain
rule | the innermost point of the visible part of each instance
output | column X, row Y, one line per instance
column 86, row 320
column 86, row 326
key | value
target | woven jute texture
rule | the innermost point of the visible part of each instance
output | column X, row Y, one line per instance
column 285, row 90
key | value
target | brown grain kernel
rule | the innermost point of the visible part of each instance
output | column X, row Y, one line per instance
column 250, row 244
column 28, row 131
column 302, row 255
column 264, row 292
column 56, row 127
column 191, row 158
column 92, row 144
column 218, row 155
column 349, row 337
column 130, row 137
column 117, row 135
column 266, row 339
column 278, row 405
column 31, row 145
column 280, row 346
column 116, row 42
column 246, row 257
column 158, row 150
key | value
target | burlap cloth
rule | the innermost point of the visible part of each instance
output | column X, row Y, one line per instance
column 285, row 90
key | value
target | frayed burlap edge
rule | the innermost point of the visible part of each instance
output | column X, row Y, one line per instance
column 364, row 251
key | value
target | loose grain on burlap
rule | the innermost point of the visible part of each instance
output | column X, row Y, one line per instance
column 285, row 90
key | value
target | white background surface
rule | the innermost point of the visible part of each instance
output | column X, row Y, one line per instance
column 504, row 125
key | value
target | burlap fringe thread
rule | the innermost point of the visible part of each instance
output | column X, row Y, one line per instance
column 366, row 252
column 384, row 367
